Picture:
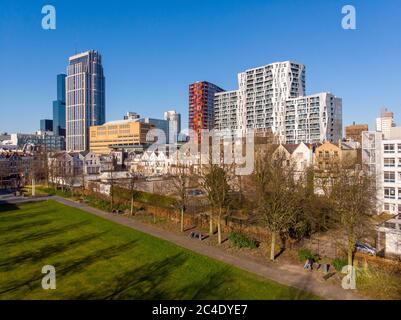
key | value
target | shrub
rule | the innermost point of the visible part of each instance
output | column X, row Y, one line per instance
column 338, row 264
column 240, row 240
column 305, row 254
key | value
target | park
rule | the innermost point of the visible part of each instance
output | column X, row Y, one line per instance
column 99, row 259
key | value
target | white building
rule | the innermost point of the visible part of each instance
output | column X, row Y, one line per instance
column 383, row 156
column 273, row 97
column 385, row 122
column 174, row 125
column 391, row 230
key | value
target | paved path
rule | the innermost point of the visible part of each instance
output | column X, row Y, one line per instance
column 279, row 273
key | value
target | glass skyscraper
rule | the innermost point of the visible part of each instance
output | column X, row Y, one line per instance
column 59, row 107
column 85, row 98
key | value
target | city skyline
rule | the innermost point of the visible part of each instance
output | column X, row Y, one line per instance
column 143, row 81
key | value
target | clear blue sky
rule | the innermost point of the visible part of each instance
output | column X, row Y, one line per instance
column 152, row 50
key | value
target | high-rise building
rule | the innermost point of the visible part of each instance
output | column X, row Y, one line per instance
column 272, row 98
column 385, row 122
column 85, row 98
column 59, row 107
column 354, row 131
column 201, row 109
column 174, row 125
column 46, row 125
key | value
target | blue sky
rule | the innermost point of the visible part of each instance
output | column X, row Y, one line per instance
column 152, row 50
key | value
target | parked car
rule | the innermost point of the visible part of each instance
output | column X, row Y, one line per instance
column 195, row 192
column 365, row 248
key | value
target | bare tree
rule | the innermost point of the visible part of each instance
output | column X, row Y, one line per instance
column 353, row 196
column 181, row 181
column 277, row 199
column 215, row 181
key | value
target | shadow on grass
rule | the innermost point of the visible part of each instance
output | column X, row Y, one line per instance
column 43, row 234
column 46, row 251
column 152, row 282
column 6, row 206
column 65, row 268
column 25, row 225
column 22, row 216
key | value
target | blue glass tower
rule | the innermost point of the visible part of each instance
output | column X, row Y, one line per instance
column 59, row 107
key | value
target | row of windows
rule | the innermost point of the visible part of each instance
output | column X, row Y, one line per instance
column 392, row 148
column 391, row 176
column 391, row 193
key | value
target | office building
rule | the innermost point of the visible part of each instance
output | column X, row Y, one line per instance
column 354, row 132
column 85, row 98
column 120, row 134
column 174, row 125
column 201, row 106
column 158, row 124
column 272, row 99
column 47, row 139
column 59, row 107
column 385, row 122
column 46, row 125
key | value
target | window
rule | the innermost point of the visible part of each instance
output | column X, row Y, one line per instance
column 389, row 162
column 399, row 211
column 399, row 148
column 389, row 176
column 387, row 207
column 389, row 193
column 389, row 148
column 399, row 193
column 390, row 225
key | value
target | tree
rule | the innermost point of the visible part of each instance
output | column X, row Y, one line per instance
column 181, row 180
column 276, row 192
column 111, row 181
column 133, row 178
column 215, row 181
column 353, row 197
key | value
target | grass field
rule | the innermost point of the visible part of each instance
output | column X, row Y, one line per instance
column 98, row 259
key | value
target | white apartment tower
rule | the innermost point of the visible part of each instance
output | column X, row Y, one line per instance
column 273, row 97
column 174, row 125
column 85, row 98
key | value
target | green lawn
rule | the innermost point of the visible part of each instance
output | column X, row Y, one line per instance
column 98, row 259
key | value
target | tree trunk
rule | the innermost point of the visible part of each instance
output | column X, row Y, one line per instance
column 272, row 247
column 132, row 204
column 350, row 250
column 211, row 223
column 219, row 227
column 182, row 219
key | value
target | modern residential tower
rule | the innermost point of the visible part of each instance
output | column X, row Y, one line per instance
column 201, row 110
column 272, row 98
column 85, row 98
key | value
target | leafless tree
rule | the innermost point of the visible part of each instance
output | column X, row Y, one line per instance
column 215, row 180
column 181, row 181
column 277, row 198
column 353, row 197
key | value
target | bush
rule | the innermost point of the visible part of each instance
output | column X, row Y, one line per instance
column 240, row 240
column 338, row 264
column 305, row 254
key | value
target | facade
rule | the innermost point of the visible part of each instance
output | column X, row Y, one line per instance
column 201, row 106
column 161, row 124
column 272, row 97
column 383, row 157
column 390, row 232
column 46, row 125
column 132, row 116
column 85, row 98
column 385, row 122
column 118, row 134
column 48, row 140
column 174, row 125
column 354, row 132
column 59, row 107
